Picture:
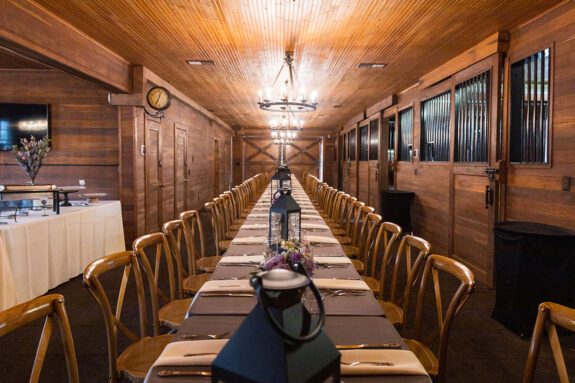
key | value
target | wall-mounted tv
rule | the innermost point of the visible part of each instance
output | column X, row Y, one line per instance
column 22, row 121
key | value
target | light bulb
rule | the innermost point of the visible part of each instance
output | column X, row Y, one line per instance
column 274, row 134
column 313, row 96
column 260, row 95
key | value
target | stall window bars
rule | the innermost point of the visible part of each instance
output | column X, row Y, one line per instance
column 363, row 143
column 471, row 119
column 405, row 135
column 435, row 115
column 374, row 140
column 351, row 141
column 529, row 109
column 391, row 140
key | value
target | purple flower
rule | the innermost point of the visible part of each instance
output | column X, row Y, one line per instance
column 277, row 262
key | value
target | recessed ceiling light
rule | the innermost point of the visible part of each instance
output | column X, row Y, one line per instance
column 372, row 65
column 201, row 62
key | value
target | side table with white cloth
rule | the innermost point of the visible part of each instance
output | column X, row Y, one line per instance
column 38, row 252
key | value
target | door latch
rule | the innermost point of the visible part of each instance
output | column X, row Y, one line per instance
column 488, row 196
column 491, row 172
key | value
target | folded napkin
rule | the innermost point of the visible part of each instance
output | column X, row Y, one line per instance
column 404, row 362
column 343, row 284
column 261, row 208
column 308, row 211
column 173, row 354
column 248, row 241
column 259, row 215
column 239, row 286
column 313, row 226
column 256, row 226
column 306, row 216
column 330, row 260
column 242, row 259
column 316, row 239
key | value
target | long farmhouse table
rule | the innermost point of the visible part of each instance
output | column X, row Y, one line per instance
column 349, row 319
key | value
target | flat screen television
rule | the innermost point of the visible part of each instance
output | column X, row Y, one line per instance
column 22, row 121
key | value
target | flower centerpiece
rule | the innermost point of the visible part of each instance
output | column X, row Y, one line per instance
column 30, row 154
column 289, row 254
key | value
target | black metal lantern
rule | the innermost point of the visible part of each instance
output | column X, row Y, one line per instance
column 285, row 218
column 280, row 341
column 280, row 181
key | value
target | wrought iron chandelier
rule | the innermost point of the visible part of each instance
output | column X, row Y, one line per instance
column 285, row 131
column 289, row 99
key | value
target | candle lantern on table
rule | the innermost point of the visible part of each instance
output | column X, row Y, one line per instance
column 281, row 180
column 285, row 218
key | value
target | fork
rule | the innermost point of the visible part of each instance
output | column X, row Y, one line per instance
column 366, row 362
column 211, row 336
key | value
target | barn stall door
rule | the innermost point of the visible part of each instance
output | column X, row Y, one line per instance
column 153, row 170
column 304, row 155
column 260, row 155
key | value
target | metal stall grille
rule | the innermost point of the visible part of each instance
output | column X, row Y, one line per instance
column 529, row 141
column 373, row 140
column 471, row 119
column 405, row 135
column 435, row 114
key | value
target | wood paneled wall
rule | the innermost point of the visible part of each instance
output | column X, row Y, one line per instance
column 83, row 127
column 536, row 193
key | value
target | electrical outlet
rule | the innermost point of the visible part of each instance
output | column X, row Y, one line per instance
column 566, row 183
column 82, row 182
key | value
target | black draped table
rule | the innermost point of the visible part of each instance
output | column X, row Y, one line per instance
column 349, row 319
column 534, row 263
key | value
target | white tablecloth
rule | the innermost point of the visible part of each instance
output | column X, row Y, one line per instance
column 38, row 253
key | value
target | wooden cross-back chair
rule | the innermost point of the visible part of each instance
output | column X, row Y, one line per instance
column 197, row 259
column 381, row 234
column 549, row 316
column 435, row 366
column 397, row 306
column 338, row 226
column 358, row 234
column 226, row 215
column 135, row 361
column 174, row 309
column 236, row 219
column 51, row 308
column 242, row 213
column 220, row 244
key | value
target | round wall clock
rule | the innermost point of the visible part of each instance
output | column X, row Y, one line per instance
column 159, row 98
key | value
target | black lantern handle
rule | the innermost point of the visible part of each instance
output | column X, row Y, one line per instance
column 256, row 283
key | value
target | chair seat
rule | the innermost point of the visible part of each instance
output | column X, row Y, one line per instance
column 343, row 240
column 350, row 251
column 194, row 282
column 173, row 313
column 336, row 230
column 208, row 264
column 372, row 283
column 424, row 354
column 137, row 359
column 235, row 227
column 393, row 312
column 359, row 266
column 231, row 234
column 224, row 245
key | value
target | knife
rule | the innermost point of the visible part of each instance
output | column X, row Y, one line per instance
column 183, row 373
column 367, row 345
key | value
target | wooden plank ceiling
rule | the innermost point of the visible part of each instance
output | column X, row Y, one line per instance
column 247, row 39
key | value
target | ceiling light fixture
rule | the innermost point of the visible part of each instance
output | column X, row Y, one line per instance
column 372, row 65
column 201, row 62
column 288, row 99
column 284, row 131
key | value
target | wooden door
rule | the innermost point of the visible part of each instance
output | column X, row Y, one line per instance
column 153, row 173
column 363, row 181
column 304, row 155
column 474, row 202
column 180, row 171
column 352, row 163
column 216, row 162
column 260, row 155
column 227, row 166
column 343, row 181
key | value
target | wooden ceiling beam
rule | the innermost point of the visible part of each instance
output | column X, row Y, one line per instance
column 29, row 29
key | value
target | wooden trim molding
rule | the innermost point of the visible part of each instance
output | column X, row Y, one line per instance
column 29, row 29
column 498, row 42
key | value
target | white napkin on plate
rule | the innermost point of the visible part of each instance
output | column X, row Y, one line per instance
column 173, row 354
column 316, row 239
column 308, row 211
column 248, row 241
column 239, row 286
column 312, row 226
column 256, row 259
column 404, row 362
column 256, row 226
column 309, row 216
column 259, row 215
column 331, row 260
column 261, row 208
column 344, row 284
